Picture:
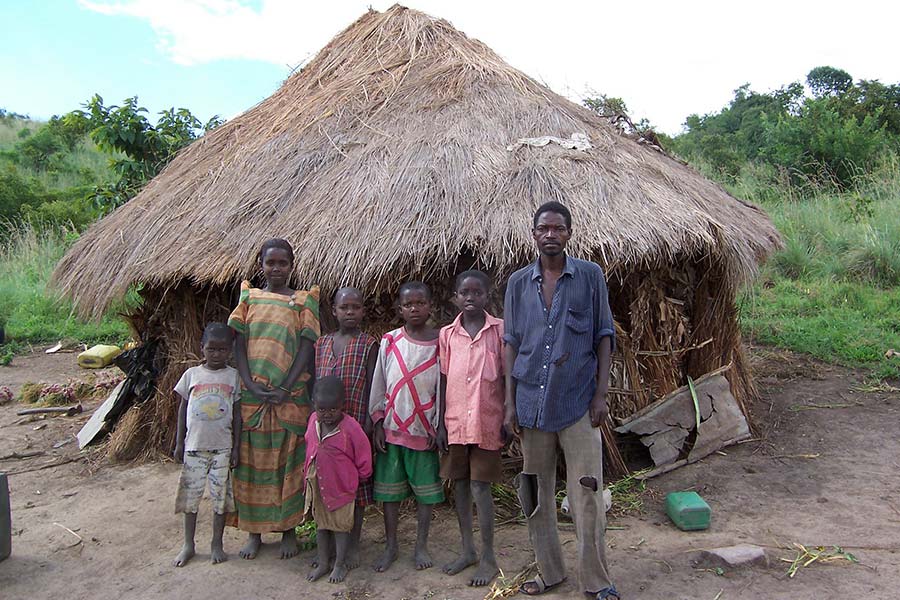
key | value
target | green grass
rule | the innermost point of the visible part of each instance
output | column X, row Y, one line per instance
column 847, row 323
column 33, row 315
column 834, row 290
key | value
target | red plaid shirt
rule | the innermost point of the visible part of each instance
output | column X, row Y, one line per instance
column 350, row 367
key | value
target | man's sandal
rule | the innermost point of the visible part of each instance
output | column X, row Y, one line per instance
column 538, row 583
column 606, row 593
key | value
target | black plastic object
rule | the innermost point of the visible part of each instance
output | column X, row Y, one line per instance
column 140, row 374
column 5, row 520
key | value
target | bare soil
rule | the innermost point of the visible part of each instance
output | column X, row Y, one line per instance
column 823, row 472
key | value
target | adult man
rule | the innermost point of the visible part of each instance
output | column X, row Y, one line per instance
column 559, row 335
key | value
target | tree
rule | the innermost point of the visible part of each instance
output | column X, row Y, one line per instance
column 42, row 149
column 606, row 106
column 828, row 81
column 143, row 149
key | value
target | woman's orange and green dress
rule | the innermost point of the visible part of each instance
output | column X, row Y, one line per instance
column 268, row 482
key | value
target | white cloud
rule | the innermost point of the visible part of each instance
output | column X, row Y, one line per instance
column 194, row 32
column 666, row 59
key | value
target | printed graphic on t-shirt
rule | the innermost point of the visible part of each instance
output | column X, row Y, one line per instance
column 210, row 401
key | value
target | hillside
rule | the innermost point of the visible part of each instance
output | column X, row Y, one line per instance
column 47, row 172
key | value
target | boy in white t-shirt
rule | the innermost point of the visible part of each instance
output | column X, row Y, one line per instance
column 209, row 428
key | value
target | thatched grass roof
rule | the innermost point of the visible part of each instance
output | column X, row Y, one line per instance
column 388, row 154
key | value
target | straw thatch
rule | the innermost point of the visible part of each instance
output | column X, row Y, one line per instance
column 393, row 154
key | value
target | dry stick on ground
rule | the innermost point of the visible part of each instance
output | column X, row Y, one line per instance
column 80, row 539
column 66, row 410
column 59, row 463
column 17, row 455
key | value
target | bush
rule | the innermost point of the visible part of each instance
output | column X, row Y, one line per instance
column 70, row 207
column 15, row 191
column 822, row 145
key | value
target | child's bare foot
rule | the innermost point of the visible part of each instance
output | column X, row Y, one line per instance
column 387, row 559
column 317, row 573
column 186, row 554
column 463, row 562
column 251, row 548
column 218, row 554
column 423, row 559
column 352, row 560
column 289, row 547
column 338, row 574
column 487, row 570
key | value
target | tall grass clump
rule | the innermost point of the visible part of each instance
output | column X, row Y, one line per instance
column 876, row 258
column 31, row 313
column 833, row 291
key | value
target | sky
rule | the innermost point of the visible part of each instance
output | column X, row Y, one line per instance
column 220, row 57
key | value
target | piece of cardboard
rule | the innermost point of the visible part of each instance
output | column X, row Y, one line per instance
column 95, row 423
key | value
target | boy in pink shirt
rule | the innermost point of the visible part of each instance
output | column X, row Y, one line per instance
column 338, row 458
column 471, row 428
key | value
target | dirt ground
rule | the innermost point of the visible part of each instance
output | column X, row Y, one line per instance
column 823, row 472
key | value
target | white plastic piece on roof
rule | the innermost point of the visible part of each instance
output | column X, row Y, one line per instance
column 577, row 141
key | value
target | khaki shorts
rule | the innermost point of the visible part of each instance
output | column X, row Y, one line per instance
column 340, row 520
column 468, row 461
column 202, row 467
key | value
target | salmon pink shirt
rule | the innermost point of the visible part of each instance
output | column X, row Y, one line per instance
column 474, row 371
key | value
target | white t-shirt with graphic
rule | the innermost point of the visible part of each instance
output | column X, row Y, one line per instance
column 211, row 395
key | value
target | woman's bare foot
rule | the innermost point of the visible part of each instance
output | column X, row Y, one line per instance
column 289, row 547
column 463, row 562
column 251, row 548
column 338, row 574
column 387, row 559
column 487, row 570
column 218, row 554
column 317, row 573
column 423, row 559
column 186, row 554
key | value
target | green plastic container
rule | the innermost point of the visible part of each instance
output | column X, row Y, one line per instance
column 688, row 511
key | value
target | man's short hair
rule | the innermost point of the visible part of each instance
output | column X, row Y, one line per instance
column 553, row 207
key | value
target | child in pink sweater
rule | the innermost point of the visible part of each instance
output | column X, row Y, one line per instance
column 338, row 458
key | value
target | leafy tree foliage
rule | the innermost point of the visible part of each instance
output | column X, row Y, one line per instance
column 140, row 149
column 45, row 148
column 828, row 81
column 52, row 173
column 15, row 191
column 827, row 138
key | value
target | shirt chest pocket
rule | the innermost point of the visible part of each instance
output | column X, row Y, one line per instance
column 491, row 369
column 578, row 321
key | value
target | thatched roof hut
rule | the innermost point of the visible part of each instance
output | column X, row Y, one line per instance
column 393, row 154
